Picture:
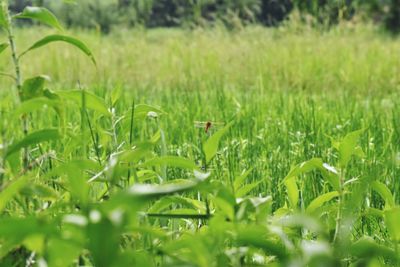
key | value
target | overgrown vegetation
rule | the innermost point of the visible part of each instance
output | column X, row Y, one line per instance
column 107, row 14
column 198, row 149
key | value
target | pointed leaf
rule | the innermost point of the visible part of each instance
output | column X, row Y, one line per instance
column 384, row 192
column 328, row 172
column 292, row 191
column 239, row 181
column 392, row 218
column 3, row 47
column 92, row 101
column 210, row 147
column 35, row 104
column 32, row 139
column 319, row 201
column 3, row 19
column 33, row 87
column 247, row 188
column 348, row 147
column 171, row 161
column 11, row 190
column 62, row 38
column 40, row 14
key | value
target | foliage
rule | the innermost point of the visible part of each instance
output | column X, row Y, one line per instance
column 279, row 179
column 106, row 14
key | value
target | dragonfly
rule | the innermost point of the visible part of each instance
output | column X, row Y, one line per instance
column 207, row 125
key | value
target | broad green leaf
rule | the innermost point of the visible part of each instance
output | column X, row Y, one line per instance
column 328, row 172
column 151, row 191
column 32, row 139
column 384, row 192
column 210, row 146
column 3, row 19
column 366, row 248
column 92, row 101
column 392, row 218
column 75, row 171
column 138, row 152
column 62, row 38
column 61, row 253
column 40, row 191
column 40, row 14
column 301, row 220
column 172, row 161
column 319, row 201
column 36, row 104
column 104, row 248
column 33, row 87
column 134, row 198
column 10, row 190
column 259, row 237
column 3, row 47
column 247, row 188
column 20, row 228
column 348, row 147
column 81, row 165
column 142, row 110
column 168, row 201
column 240, row 180
column 292, row 191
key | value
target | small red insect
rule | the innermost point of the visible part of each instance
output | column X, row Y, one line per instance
column 207, row 125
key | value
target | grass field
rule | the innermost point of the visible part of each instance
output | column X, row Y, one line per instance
column 278, row 97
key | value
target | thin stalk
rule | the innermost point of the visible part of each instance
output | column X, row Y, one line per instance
column 340, row 207
column 95, row 144
column 83, row 121
column 136, row 179
column 18, row 76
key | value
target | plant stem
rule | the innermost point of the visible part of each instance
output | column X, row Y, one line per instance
column 18, row 76
column 340, row 207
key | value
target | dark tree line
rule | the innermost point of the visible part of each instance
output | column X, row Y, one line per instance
column 104, row 14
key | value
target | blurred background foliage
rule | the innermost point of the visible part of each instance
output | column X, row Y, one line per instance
column 107, row 14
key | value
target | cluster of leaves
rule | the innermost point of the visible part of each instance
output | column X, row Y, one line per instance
column 93, row 193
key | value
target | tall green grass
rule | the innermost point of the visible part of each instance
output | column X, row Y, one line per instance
column 290, row 93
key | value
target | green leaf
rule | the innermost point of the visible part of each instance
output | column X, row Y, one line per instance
column 92, row 101
column 62, row 253
column 62, row 38
column 392, row 218
column 239, row 181
column 33, row 87
column 40, row 14
column 257, row 236
column 35, row 104
column 138, row 152
column 3, row 19
column 151, row 191
column 366, row 248
column 247, row 188
column 328, row 172
column 3, row 47
column 20, row 228
column 40, row 191
column 142, row 110
column 384, row 192
column 32, row 139
column 348, row 147
column 168, row 201
column 13, row 188
column 319, row 201
column 172, row 161
column 292, row 191
column 210, row 147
